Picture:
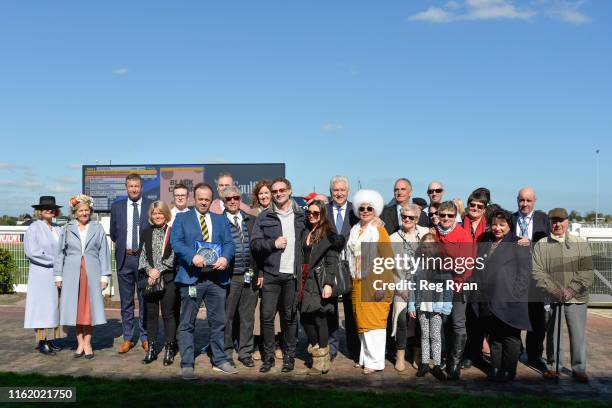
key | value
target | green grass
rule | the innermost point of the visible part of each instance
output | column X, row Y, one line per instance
column 99, row 391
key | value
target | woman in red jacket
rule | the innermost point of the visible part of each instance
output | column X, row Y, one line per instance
column 456, row 243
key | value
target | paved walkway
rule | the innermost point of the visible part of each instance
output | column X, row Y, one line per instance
column 18, row 355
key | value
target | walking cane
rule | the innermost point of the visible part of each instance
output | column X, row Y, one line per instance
column 558, row 341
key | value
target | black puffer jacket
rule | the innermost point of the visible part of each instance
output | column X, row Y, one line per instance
column 324, row 254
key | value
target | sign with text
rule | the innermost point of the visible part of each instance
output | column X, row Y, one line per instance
column 107, row 183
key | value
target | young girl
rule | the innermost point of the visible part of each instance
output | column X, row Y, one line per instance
column 429, row 305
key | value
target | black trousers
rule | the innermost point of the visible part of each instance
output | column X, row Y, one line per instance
column 350, row 329
column 278, row 293
column 316, row 328
column 476, row 332
column 534, row 341
column 505, row 344
column 240, row 307
column 170, row 309
column 406, row 331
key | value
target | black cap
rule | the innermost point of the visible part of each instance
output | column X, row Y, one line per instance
column 420, row 202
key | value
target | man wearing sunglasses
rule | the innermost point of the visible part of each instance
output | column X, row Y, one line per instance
column 275, row 242
column 532, row 225
column 435, row 192
column 224, row 180
column 242, row 295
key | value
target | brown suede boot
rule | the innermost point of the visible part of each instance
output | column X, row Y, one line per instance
column 316, row 360
column 400, row 362
column 325, row 359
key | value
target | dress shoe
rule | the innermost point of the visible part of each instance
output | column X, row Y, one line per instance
column 145, row 345
column 538, row 363
column 90, row 356
column 43, row 348
column 54, row 346
column 550, row 375
column 266, row 366
column 78, row 355
column 226, row 368
column 169, row 353
column 288, row 365
column 188, row 373
column 438, row 373
column 247, row 361
column 580, row 377
column 151, row 354
column 125, row 347
column 423, row 369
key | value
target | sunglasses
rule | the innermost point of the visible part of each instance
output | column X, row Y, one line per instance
column 435, row 190
column 314, row 213
column 447, row 215
column 232, row 198
column 476, row 205
column 433, row 214
column 409, row 217
column 364, row 209
column 280, row 191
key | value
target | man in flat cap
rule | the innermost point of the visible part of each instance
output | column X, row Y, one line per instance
column 563, row 267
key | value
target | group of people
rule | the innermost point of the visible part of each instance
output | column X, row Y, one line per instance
column 255, row 266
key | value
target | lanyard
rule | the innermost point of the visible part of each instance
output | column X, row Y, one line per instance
column 524, row 227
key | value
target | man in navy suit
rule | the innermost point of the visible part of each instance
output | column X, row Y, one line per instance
column 342, row 218
column 128, row 219
column 530, row 226
column 198, row 281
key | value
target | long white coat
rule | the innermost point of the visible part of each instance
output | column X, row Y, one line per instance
column 68, row 266
column 40, row 245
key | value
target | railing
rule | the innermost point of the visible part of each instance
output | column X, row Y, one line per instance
column 11, row 239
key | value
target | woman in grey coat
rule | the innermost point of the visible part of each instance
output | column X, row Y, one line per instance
column 82, row 269
column 40, row 244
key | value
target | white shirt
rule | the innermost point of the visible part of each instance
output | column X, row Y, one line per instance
column 208, row 224
column 83, row 236
column 529, row 220
column 231, row 216
column 175, row 211
column 130, row 217
column 335, row 210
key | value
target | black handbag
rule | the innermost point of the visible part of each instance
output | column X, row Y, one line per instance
column 151, row 291
column 342, row 282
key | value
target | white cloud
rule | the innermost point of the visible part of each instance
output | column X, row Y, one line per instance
column 474, row 10
column 569, row 12
column 121, row 71
column 60, row 188
column 332, row 127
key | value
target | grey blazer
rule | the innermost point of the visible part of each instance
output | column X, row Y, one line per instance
column 68, row 265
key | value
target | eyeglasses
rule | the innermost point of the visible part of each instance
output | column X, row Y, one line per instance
column 314, row 213
column 435, row 190
column 180, row 195
column 366, row 209
column 476, row 205
column 280, row 191
column 447, row 215
column 232, row 198
column 409, row 217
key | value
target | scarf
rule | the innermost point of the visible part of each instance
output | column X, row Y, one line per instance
column 480, row 229
column 359, row 235
column 445, row 232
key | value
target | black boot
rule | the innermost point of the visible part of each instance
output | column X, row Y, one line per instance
column 454, row 366
column 151, row 354
column 438, row 373
column 170, row 352
column 53, row 346
column 423, row 369
column 43, row 348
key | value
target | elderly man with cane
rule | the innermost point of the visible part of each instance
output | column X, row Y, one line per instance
column 563, row 267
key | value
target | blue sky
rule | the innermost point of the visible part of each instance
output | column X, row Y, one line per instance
column 494, row 93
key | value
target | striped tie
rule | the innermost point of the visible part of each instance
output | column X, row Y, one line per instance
column 204, row 228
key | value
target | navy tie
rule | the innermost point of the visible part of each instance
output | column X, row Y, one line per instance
column 339, row 221
column 135, row 225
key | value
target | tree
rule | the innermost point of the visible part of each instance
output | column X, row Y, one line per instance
column 575, row 216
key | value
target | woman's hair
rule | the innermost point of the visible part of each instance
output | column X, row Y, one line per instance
column 412, row 207
column 459, row 205
column 447, row 205
column 479, row 196
column 500, row 214
column 78, row 200
column 161, row 206
column 323, row 227
column 429, row 237
column 255, row 194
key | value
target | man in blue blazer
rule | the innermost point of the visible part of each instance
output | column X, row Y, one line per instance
column 128, row 219
column 198, row 281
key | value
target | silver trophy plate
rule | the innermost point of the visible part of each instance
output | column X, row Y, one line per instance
column 209, row 255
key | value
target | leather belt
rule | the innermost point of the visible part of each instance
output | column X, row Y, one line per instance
column 129, row 252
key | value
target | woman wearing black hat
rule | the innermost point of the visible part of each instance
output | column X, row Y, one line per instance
column 41, row 242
